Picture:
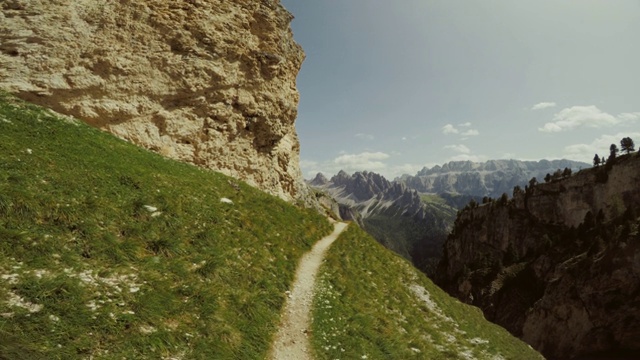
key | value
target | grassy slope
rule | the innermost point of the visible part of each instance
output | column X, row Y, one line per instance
column 420, row 241
column 87, row 270
column 373, row 304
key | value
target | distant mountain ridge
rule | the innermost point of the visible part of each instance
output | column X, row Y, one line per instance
column 392, row 213
column 412, row 215
column 491, row 178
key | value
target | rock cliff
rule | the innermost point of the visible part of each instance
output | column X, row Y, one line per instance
column 558, row 264
column 491, row 178
column 210, row 82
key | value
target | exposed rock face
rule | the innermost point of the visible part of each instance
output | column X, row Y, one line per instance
column 319, row 180
column 492, row 178
column 393, row 214
column 211, row 82
column 557, row 265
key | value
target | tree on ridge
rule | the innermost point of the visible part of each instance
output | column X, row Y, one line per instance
column 613, row 151
column 626, row 144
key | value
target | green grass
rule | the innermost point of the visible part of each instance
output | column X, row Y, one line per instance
column 88, row 271
column 438, row 205
column 371, row 304
column 419, row 240
column 432, row 199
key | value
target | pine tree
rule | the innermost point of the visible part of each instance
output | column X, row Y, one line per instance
column 626, row 144
column 596, row 160
column 613, row 152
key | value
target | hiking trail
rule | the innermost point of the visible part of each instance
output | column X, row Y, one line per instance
column 292, row 339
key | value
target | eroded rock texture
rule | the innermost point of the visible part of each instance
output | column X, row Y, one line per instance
column 559, row 264
column 210, row 82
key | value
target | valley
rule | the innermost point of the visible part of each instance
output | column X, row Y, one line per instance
column 473, row 188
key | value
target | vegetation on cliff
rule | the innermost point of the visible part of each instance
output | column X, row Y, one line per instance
column 557, row 265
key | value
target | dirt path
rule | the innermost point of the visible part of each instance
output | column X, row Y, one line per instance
column 291, row 341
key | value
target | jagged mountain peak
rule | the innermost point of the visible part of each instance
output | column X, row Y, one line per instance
column 319, row 180
column 363, row 185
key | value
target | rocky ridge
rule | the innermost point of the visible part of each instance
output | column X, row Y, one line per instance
column 393, row 214
column 491, row 178
column 210, row 82
column 558, row 264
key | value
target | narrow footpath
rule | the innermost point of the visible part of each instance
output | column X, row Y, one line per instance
column 292, row 342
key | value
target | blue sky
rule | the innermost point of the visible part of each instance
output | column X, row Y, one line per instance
column 394, row 86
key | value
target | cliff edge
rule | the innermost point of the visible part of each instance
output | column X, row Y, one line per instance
column 210, row 82
column 558, row 264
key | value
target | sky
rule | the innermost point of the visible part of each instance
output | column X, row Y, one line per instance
column 394, row 86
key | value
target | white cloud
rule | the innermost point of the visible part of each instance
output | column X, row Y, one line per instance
column 404, row 138
column 363, row 161
column 600, row 146
column 458, row 148
column 629, row 117
column 364, row 136
column 463, row 153
column 543, row 105
column 468, row 157
column 311, row 168
column 370, row 161
column 449, row 129
column 471, row 132
column 398, row 170
column 585, row 116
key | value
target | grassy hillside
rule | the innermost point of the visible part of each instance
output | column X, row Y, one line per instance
column 372, row 304
column 417, row 239
column 110, row 251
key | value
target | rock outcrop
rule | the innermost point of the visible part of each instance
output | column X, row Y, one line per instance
column 558, row 264
column 491, row 178
column 210, row 82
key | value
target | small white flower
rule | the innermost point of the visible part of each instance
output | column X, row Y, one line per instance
column 151, row 208
column 29, row 151
column 226, row 201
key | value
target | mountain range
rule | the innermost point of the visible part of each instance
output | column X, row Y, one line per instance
column 491, row 178
column 412, row 215
column 398, row 217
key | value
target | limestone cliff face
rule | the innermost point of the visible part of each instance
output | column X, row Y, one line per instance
column 557, row 265
column 210, row 82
